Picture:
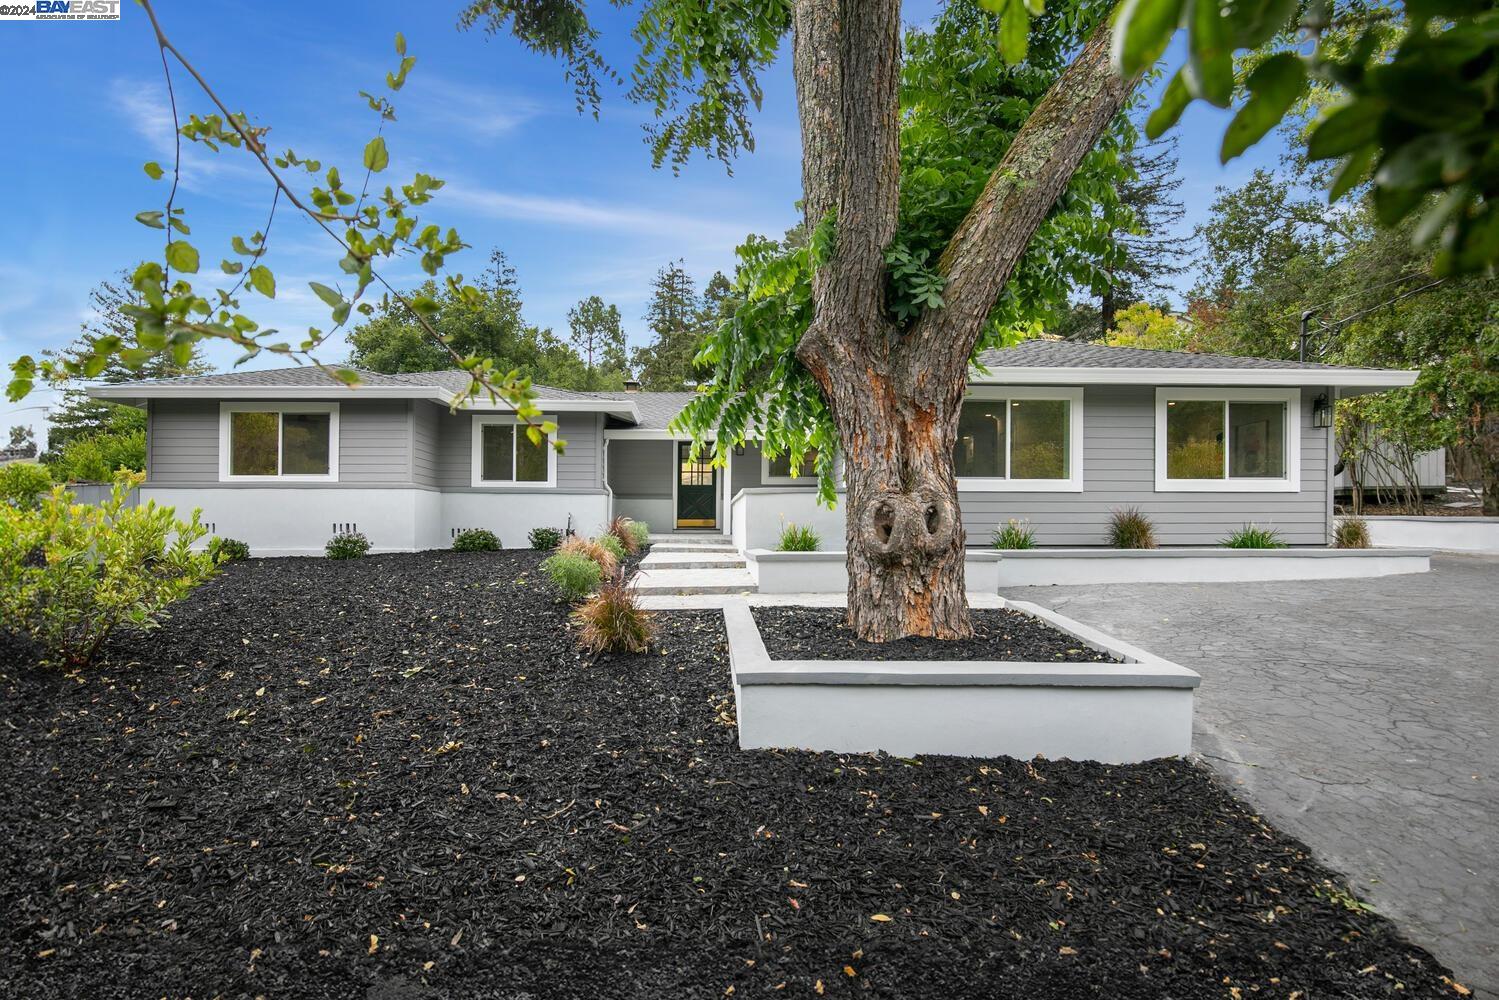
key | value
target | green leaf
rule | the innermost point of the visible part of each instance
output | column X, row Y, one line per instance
column 1142, row 31
column 238, row 243
column 1173, row 102
column 1258, row 21
column 182, row 256
column 231, row 266
column 153, row 170
column 180, row 226
column 152, row 219
column 400, row 44
column 993, row 6
column 1273, row 87
column 1036, row 7
column 423, row 305
column 1210, row 55
column 1014, row 32
column 263, row 281
column 376, row 157
column 1353, row 172
column 1344, row 129
column 325, row 293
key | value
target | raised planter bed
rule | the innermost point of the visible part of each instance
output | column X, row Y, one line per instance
column 827, row 572
column 1455, row 534
column 1046, row 567
column 1132, row 707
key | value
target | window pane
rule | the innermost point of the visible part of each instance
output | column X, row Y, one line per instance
column 305, row 443
column 780, row 466
column 1038, row 438
column 252, row 443
column 530, row 459
column 981, row 440
column 1194, row 439
column 1257, row 440
column 497, row 453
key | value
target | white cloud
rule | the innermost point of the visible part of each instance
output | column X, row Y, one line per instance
column 581, row 214
column 459, row 108
column 146, row 108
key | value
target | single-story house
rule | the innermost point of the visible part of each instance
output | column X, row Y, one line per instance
column 1055, row 433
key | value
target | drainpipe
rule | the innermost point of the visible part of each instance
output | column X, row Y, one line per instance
column 607, row 489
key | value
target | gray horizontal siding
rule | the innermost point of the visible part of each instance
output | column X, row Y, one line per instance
column 641, row 470
column 424, row 443
column 1119, row 471
column 577, row 466
column 184, row 443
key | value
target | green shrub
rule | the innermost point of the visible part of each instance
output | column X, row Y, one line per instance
column 1129, row 528
column 22, row 485
column 613, row 621
column 572, row 573
column 476, row 540
column 615, row 547
column 1015, row 534
column 225, row 550
column 98, row 457
column 1254, row 537
column 1351, row 533
column 348, row 545
column 641, row 532
column 70, row 574
column 545, row 539
column 798, row 538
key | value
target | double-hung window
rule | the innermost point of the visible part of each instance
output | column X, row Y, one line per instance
column 1228, row 440
column 281, row 441
column 1021, row 438
column 505, row 455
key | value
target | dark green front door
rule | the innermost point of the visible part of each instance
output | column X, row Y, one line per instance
column 697, row 490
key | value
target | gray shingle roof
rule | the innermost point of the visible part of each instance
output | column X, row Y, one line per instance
column 304, row 376
column 1066, row 354
column 656, row 408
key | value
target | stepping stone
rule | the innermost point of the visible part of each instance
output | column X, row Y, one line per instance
column 694, row 581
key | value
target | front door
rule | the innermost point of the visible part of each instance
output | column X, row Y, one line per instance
column 697, row 489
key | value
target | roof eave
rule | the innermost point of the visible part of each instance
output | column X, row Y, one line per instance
column 1360, row 379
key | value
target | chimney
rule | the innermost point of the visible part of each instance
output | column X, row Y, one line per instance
column 632, row 385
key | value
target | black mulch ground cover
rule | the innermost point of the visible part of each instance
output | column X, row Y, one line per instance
column 823, row 634
column 394, row 777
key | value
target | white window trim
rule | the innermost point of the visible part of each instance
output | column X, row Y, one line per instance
column 225, row 409
column 768, row 480
column 476, row 455
column 1074, row 481
column 1290, row 483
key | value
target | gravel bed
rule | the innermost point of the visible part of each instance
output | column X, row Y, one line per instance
column 396, row 777
column 793, row 633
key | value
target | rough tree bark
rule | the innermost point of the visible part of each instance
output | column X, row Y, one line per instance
column 895, row 395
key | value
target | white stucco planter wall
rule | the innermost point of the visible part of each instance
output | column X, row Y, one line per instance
column 1112, row 712
column 1455, row 534
column 1062, row 567
column 513, row 515
column 758, row 514
column 827, row 572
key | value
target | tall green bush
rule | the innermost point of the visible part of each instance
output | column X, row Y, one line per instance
column 70, row 574
column 97, row 458
column 22, row 485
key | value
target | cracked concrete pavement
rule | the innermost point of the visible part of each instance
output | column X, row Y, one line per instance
column 1362, row 716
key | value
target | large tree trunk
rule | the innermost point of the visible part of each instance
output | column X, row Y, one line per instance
column 895, row 394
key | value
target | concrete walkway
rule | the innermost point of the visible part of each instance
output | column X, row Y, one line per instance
column 1361, row 716
column 693, row 564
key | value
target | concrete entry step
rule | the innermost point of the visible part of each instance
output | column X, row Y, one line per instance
column 693, row 559
column 694, row 581
column 691, row 540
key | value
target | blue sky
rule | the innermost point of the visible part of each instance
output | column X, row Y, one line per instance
column 574, row 202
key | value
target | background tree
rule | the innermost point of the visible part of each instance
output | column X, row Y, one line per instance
column 1150, row 327
column 486, row 322
column 675, row 317
column 1153, row 253
column 598, row 336
column 22, row 435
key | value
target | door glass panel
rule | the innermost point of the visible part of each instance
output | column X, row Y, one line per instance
column 1194, row 439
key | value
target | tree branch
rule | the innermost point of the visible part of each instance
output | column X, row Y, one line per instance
column 992, row 238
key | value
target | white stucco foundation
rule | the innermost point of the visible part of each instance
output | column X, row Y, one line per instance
column 1062, row 567
column 1111, row 712
column 1455, row 534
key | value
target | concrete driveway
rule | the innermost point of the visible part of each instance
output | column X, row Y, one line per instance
column 1361, row 716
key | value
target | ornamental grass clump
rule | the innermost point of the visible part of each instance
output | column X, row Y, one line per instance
column 623, row 529
column 612, row 620
column 589, row 548
column 641, row 532
column 348, row 545
column 1252, row 536
column 1015, row 534
column 572, row 573
column 71, row 574
column 613, row 546
column 1351, row 533
column 544, row 539
column 476, row 540
column 798, row 538
column 227, row 550
column 1129, row 528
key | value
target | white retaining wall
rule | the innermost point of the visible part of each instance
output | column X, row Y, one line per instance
column 758, row 515
column 1112, row 712
column 1047, row 567
column 1456, row 534
column 827, row 572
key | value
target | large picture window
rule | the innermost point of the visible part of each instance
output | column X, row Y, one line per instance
column 505, row 455
column 1020, row 439
column 278, row 441
column 778, row 470
column 1244, row 440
